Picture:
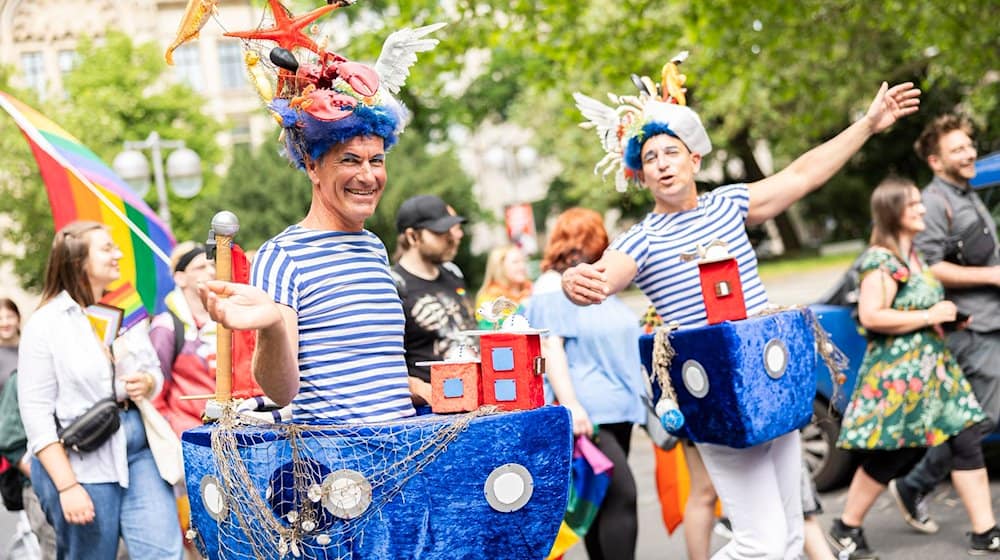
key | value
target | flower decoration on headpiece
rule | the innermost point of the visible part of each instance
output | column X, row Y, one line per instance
column 321, row 98
column 658, row 109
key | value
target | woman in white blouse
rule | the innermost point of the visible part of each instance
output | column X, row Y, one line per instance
column 91, row 498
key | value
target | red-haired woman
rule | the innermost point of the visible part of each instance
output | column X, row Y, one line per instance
column 91, row 498
column 594, row 370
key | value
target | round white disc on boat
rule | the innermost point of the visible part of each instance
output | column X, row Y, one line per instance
column 695, row 378
column 775, row 358
column 212, row 497
column 508, row 487
column 347, row 493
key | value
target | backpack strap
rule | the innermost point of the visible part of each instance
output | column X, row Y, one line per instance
column 944, row 198
column 178, row 336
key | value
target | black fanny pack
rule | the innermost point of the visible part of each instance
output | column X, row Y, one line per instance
column 92, row 428
column 972, row 247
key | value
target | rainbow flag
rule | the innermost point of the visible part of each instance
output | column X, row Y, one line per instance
column 126, row 298
column 588, row 485
column 82, row 187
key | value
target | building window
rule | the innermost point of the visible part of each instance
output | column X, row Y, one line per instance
column 453, row 388
column 67, row 61
column 505, row 390
column 33, row 70
column 188, row 66
column 231, row 74
column 240, row 135
column 503, row 359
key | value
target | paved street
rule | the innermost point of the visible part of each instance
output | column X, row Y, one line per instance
column 886, row 531
column 884, row 527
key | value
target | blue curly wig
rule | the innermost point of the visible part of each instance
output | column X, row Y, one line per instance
column 305, row 134
column 633, row 151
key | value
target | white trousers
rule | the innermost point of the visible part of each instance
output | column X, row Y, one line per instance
column 761, row 493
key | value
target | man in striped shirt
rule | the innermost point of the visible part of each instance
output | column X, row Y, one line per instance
column 329, row 320
column 759, row 486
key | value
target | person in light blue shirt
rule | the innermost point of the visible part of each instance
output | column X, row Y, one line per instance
column 593, row 369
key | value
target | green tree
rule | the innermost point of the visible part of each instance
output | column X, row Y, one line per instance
column 119, row 92
column 115, row 93
column 264, row 191
column 28, row 227
column 790, row 74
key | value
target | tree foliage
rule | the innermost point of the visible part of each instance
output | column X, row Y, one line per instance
column 115, row 93
column 790, row 74
column 264, row 191
column 786, row 74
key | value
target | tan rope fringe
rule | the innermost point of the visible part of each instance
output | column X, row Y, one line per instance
column 663, row 355
column 262, row 528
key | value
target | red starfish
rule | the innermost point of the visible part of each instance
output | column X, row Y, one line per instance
column 287, row 31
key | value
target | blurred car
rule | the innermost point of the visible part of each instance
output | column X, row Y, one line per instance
column 837, row 312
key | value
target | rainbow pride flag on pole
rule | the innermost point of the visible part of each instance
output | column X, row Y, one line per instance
column 82, row 187
column 588, row 484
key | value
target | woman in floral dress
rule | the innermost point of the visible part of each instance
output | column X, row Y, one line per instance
column 910, row 392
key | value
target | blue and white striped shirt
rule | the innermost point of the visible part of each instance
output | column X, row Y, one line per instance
column 656, row 243
column 351, row 365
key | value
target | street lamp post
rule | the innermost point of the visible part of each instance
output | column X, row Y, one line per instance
column 183, row 169
column 516, row 162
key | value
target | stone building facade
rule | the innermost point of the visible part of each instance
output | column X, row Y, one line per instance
column 38, row 38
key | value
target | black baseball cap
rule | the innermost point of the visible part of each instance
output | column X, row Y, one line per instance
column 426, row 211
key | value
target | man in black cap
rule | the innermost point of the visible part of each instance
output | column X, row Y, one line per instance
column 434, row 299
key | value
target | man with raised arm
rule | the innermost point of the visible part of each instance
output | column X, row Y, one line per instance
column 660, row 144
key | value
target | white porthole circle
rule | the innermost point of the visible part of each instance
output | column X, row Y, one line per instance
column 346, row 493
column 775, row 358
column 213, row 498
column 695, row 378
column 509, row 487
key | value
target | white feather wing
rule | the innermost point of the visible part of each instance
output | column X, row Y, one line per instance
column 399, row 53
column 601, row 117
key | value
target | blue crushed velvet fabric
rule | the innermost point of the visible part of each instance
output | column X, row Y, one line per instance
column 435, row 512
column 744, row 406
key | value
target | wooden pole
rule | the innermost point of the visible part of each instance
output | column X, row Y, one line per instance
column 224, row 225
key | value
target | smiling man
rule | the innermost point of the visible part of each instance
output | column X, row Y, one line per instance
column 661, row 145
column 329, row 320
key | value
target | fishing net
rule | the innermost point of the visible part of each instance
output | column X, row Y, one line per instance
column 270, row 489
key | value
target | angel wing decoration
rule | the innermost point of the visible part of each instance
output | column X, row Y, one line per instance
column 601, row 117
column 399, row 52
column 607, row 121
